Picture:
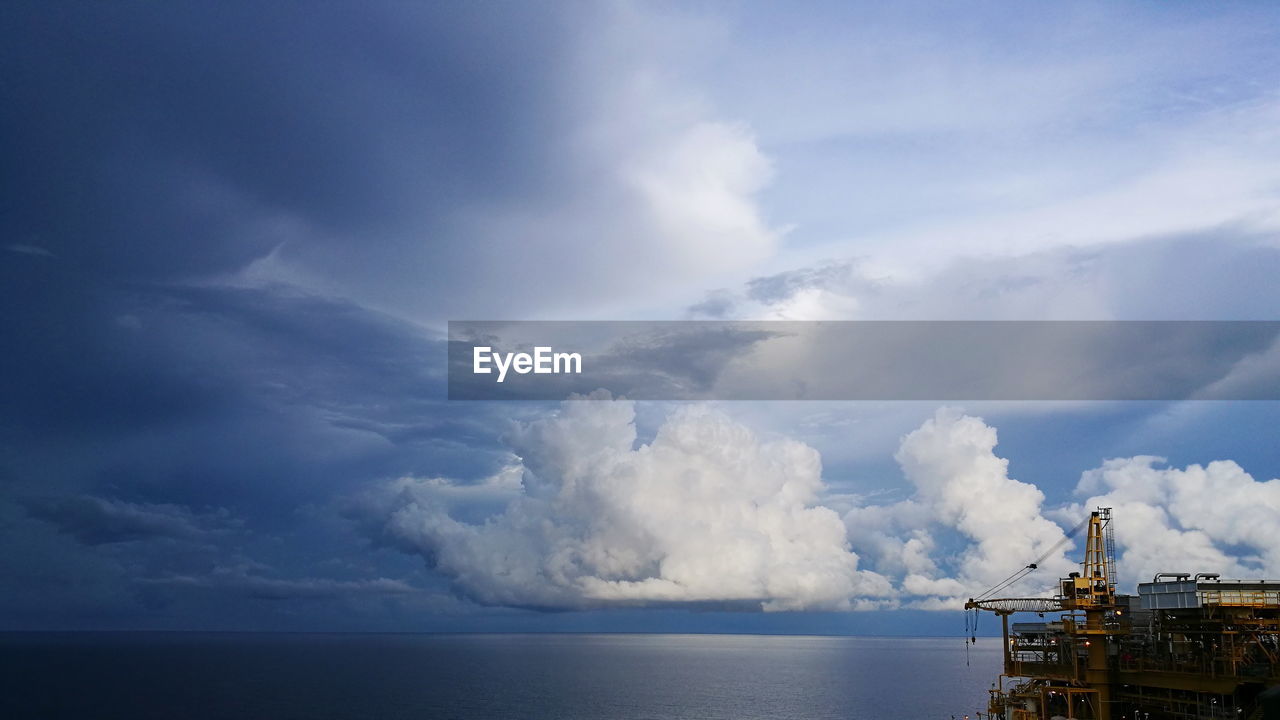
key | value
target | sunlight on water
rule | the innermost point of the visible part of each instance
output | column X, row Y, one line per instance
column 562, row 677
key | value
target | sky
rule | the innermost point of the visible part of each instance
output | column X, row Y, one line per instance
column 232, row 234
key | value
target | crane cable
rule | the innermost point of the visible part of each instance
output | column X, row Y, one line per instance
column 1023, row 572
column 971, row 627
column 968, row 640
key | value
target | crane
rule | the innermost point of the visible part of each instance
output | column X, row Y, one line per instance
column 1092, row 591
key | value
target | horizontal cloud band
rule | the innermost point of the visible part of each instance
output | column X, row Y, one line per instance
column 710, row 514
column 902, row 360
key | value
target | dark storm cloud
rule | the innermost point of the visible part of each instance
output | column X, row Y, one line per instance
column 151, row 151
column 95, row 521
column 129, row 405
column 150, row 139
column 258, row 587
column 209, row 395
column 146, row 145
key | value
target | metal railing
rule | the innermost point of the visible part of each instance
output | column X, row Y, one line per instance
column 1240, row 597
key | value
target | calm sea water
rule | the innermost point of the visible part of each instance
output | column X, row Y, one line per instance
column 651, row 677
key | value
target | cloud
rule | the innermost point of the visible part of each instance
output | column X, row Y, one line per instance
column 661, row 200
column 960, row 485
column 717, row 305
column 783, row 286
column 1017, row 137
column 547, row 145
column 1221, row 274
column 35, row 250
column 708, row 513
column 445, row 160
column 1211, row 518
column 241, row 581
column 96, row 521
column 698, row 187
column 1251, row 375
column 705, row 513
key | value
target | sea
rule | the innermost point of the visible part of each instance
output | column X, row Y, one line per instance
column 279, row 676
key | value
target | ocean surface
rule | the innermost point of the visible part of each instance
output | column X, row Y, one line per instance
column 654, row 677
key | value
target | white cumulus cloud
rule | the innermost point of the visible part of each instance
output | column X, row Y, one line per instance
column 1211, row 518
column 705, row 513
column 711, row 513
column 962, row 486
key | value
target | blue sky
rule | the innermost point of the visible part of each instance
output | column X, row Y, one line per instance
column 232, row 235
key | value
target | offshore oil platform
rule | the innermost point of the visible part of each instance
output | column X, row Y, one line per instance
column 1185, row 647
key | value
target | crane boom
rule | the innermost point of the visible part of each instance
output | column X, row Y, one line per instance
column 1013, row 605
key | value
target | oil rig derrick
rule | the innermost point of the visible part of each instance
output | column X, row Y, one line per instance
column 1183, row 648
